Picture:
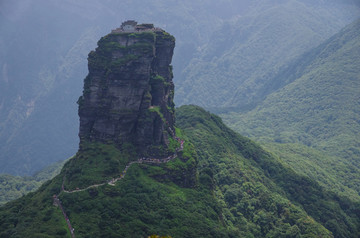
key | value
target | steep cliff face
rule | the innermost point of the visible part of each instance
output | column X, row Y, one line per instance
column 128, row 93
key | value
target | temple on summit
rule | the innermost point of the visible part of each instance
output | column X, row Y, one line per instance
column 132, row 26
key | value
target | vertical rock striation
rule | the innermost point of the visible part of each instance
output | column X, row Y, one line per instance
column 128, row 93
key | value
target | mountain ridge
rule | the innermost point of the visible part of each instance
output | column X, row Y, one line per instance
column 243, row 55
column 315, row 105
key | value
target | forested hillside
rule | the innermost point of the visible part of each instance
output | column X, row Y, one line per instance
column 253, row 186
column 240, row 190
column 312, row 121
column 13, row 187
column 222, row 47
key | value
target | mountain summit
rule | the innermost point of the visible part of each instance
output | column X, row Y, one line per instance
column 128, row 93
column 126, row 110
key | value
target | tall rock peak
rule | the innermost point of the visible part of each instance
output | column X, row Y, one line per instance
column 128, row 93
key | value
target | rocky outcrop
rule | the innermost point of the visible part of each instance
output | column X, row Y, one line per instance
column 128, row 93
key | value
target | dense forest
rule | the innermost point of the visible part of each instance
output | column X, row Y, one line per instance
column 252, row 182
column 240, row 190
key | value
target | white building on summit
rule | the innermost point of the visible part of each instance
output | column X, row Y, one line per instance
column 128, row 26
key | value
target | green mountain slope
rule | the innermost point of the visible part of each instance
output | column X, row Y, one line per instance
column 332, row 172
column 239, row 190
column 317, row 106
column 253, row 186
column 151, row 199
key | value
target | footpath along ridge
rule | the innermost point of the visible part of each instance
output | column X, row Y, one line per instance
column 112, row 182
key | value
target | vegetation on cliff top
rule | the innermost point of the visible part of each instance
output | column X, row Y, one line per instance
column 108, row 45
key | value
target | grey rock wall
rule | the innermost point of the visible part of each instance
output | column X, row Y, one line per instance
column 128, row 93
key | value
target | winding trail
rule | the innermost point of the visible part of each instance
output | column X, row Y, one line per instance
column 112, row 182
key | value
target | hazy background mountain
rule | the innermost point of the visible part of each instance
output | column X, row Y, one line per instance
column 243, row 54
column 312, row 120
column 226, row 52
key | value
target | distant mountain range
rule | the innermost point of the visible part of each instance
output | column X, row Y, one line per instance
column 242, row 57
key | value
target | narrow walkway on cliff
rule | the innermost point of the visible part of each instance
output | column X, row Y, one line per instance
column 112, row 182
column 122, row 175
